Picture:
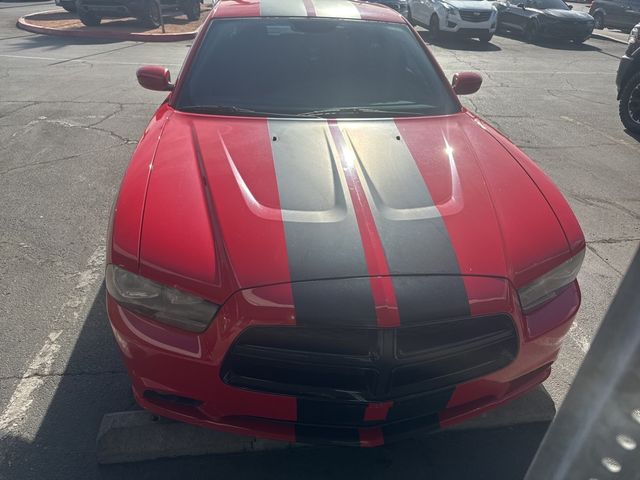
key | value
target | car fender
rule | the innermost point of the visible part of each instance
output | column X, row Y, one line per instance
column 631, row 70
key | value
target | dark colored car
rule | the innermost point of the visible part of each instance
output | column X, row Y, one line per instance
column 149, row 12
column 628, row 81
column 544, row 18
column 401, row 6
column 623, row 14
column 68, row 5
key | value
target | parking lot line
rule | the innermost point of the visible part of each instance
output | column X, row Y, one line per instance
column 79, row 60
column 41, row 366
column 32, row 379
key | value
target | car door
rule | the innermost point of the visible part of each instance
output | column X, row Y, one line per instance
column 429, row 6
column 508, row 12
column 632, row 14
column 615, row 13
column 518, row 14
column 418, row 11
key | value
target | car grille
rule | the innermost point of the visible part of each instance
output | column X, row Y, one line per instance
column 474, row 16
column 370, row 365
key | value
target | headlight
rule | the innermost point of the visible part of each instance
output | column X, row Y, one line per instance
column 550, row 284
column 164, row 304
column 451, row 10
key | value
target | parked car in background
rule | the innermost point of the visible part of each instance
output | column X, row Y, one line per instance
column 468, row 18
column 535, row 19
column 149, row 12
column 628, row 81
column 68, row 5
column 401, row 6
column 623, row 14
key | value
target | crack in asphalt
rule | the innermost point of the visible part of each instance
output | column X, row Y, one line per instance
column 597, row 202
column 54, row 160
column 614, row 240
column 91, row 55
column 595, row 252
column 6, row 114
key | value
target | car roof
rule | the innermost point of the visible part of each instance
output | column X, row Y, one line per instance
column 305, row 8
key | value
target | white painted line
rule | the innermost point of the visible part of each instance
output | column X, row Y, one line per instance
column 22, row 397
column 80, row 60
column 17, row 410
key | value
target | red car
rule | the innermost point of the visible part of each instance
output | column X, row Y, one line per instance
column 315, row 242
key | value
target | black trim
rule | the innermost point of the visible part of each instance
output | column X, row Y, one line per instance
column 354, row 366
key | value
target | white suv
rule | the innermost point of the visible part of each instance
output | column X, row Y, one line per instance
column 469, row 18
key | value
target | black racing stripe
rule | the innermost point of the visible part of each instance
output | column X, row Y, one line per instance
column 341, row 302
column 321, row 412
column 413, row 234
column 327, row 435
column 424, row 298
column 321, row 230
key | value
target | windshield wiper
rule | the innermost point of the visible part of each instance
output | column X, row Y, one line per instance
column 334, row 112
column 228, row 110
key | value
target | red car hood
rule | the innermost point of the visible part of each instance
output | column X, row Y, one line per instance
column 238, row 202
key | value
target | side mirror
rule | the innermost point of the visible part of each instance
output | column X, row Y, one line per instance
column 570, row 7
column 154, row 77
column 521, row 5
column 466, row 83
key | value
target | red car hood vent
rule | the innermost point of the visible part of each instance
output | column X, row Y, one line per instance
column 247, row 202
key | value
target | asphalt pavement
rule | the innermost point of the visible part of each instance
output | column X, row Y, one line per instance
column 70, row 116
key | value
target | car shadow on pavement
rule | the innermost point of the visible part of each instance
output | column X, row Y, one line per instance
column 555, row 44
column 95, row 383
column 456, row 43
column 52, row 43
column 635, row 136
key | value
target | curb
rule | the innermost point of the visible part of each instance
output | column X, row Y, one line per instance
column 138, row 435
column 23, row 24
column 601, row 36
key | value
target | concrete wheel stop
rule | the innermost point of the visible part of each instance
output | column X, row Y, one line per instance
column 61, row 23
column 139, row 435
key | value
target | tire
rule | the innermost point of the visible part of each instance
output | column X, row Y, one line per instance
column 486, row 38
column 89, row 19
column 629, row 108
column 580, row 40
column 152, row 15
column 191, row 9
column 69, row 6
column 434, row 27
column 531, row 32
column 598, row 18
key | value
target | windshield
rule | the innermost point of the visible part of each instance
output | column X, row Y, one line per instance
column 313, row 67
column 549, row 4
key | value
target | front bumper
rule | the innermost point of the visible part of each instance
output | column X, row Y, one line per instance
column 565, row 30
column 113, row 8
column 184, row 376
column 466, row 24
